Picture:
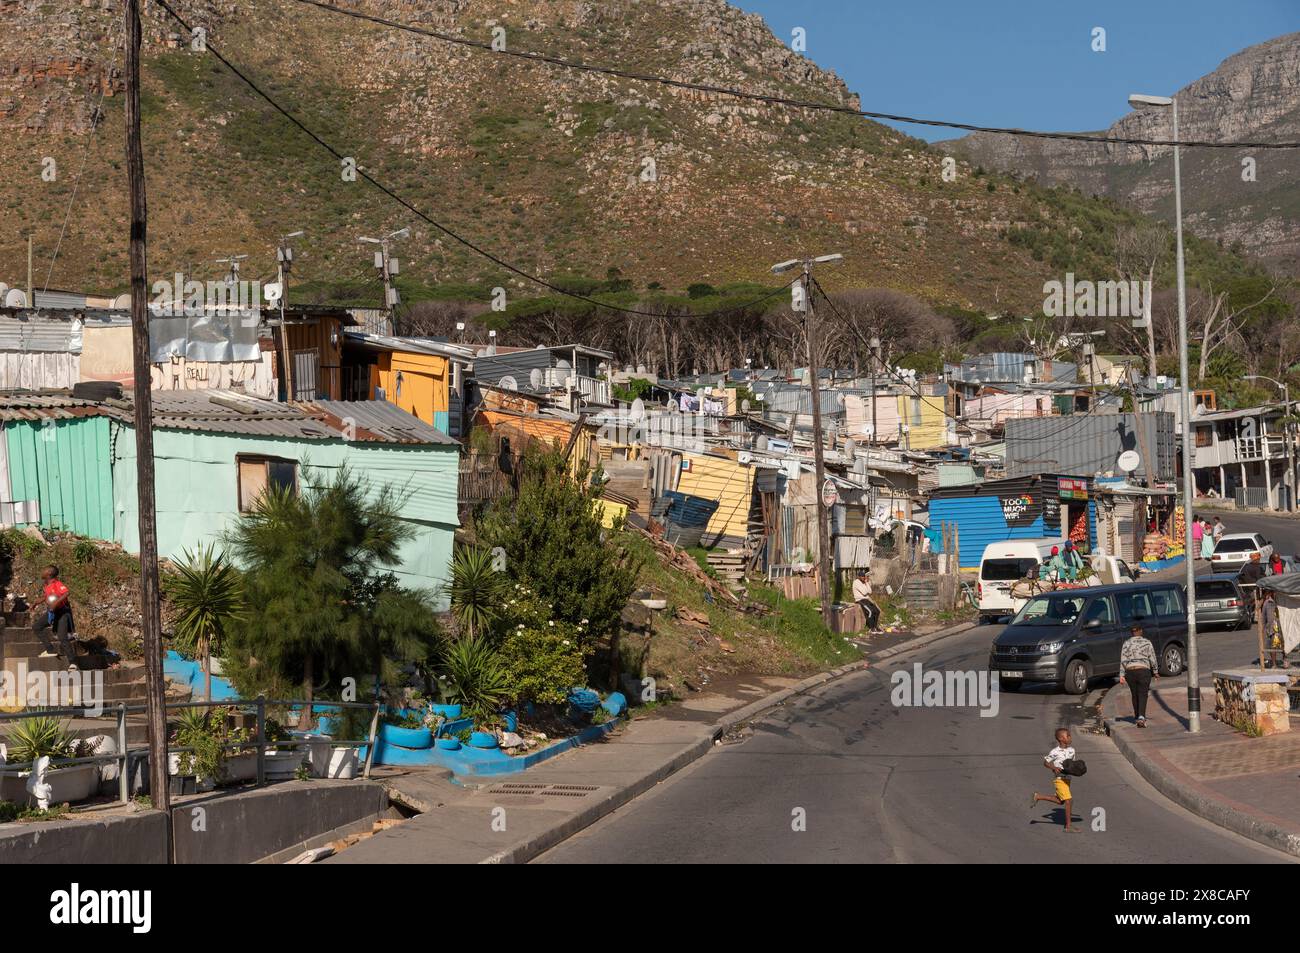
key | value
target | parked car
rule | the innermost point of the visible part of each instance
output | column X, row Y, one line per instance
column 1234, row 550
column 1069, row 637
column 1221, row 601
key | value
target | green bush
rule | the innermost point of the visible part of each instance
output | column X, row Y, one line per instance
column 475, row 677
column 542, row 657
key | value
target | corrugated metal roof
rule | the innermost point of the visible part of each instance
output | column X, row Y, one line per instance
column 377, row 420
column 29, row 331
column 216, row 411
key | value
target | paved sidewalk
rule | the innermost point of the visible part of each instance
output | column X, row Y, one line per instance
column 522, row 815
column 1250, row 786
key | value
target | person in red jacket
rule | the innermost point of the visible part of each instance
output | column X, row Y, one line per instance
column 56, row 615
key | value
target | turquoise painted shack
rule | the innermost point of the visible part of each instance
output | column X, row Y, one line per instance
column 70, row 464
column 216, row 451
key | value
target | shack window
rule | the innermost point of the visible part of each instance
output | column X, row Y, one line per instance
column 1204, row 436
column 258, row 473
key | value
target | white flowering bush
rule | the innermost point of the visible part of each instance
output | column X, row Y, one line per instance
column 543, row 656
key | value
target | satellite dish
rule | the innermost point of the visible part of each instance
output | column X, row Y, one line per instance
column 744, row 406
column 638, row 409
column 15, row 298
column 535, row 378
column 272, row 291
column 1129, row 460
column 509, row 383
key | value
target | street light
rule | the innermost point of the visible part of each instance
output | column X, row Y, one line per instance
column 1140, row 101
column 1290, row 448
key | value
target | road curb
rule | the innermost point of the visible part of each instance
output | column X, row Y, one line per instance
column 923, row 641
column 539, row 843
column 1184, row 792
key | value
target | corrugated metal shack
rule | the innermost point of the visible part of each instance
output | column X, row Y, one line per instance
column 1028, row 507
column 1088, row 444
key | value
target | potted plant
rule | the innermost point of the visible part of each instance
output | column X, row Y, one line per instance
column 45, row 736
column 280, row 764
column 203, row 766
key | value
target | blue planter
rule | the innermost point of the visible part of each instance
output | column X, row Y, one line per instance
column 415, row 738
column 447, row 711
column 615, row 703
column 512, row 721
column 584, row 700
column 481, row 739
column 448, row 744
column 451, row 728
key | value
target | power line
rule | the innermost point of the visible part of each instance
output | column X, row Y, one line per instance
column 554, row 60
column 438, row 225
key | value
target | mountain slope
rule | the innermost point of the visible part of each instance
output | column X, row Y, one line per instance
column 1252, row 96
column 542, row 165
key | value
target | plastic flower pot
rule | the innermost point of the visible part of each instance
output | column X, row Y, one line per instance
column 417, row 739
column 482, row 739
column 281, row 764
column 448, row 744
column 240, row 767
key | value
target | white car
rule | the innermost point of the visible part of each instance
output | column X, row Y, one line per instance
column 1234, row 550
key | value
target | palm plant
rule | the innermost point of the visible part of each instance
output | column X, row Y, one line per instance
column 32, row 738
column 477, row 589
column 475, row 676
column 209, row 597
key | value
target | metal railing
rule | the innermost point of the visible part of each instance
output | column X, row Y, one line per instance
column 124, row 753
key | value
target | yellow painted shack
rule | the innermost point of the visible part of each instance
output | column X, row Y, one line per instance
column 424, row 378
column 720, row 478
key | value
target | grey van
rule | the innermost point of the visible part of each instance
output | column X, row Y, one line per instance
column 1071, row 636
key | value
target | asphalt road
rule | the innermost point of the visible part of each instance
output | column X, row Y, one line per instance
column 877, row 783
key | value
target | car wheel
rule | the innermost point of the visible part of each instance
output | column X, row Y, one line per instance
column 1077, row 674
column 1171, row 660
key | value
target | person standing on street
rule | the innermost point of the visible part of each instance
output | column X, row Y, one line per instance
column 1198, row 534
column 1207, row 540
column 1217, row 530
column 862, row 596
column 1138, row 666
column 1274, row 647
column 55, row 615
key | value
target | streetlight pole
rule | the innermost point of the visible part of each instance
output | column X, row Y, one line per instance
column 1290, row 444
column 874, row 345
column 819, row 462
column 1137, row 101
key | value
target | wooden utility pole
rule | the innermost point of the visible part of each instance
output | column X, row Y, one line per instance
column 150, row 606
column 823, row 521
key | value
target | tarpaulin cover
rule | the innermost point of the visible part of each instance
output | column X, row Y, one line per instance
column 214, row 338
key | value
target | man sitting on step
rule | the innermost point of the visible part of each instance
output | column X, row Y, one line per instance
column 56, row 615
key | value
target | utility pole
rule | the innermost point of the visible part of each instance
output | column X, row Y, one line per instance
column 874, row 345
column 819, row 461
column 388, row 270
column 31, row 301
column 150, row 605
column 283, row 265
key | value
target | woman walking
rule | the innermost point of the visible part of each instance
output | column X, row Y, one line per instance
column 1207, row 540
column 1138, row 666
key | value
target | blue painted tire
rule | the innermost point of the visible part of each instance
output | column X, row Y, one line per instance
column 615, row 703
column 447, row 711
column 512, row 721
column 481, row 739
column 448, row 744
column 417, row 739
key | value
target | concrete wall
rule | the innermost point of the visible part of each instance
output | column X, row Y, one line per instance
column 244, row 828
column 237, row 828
column 121, row 839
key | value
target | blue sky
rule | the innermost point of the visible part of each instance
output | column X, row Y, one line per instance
column 1026, row 63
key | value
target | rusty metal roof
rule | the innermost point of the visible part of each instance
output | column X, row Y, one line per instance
column 376, row 420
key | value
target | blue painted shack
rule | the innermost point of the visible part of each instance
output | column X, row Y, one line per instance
column 1025, row 507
